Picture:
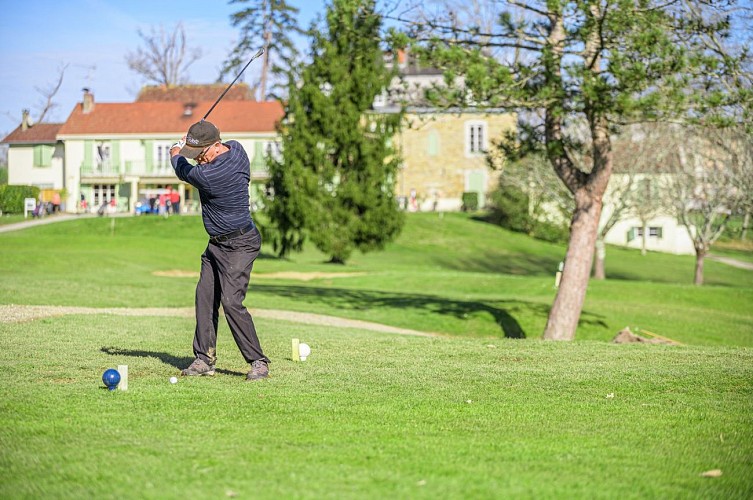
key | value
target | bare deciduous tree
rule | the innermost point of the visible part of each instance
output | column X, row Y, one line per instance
column 638, row 153
column 706, row 184
column 737, row 144
column 165, row 58
column 48, row 94
column 645, row 204
column 47, row 102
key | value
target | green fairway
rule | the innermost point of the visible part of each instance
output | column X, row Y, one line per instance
column 368, row 415
column 485, row 410
column 448, row 274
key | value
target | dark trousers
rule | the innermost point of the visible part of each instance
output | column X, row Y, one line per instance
column 225, row 271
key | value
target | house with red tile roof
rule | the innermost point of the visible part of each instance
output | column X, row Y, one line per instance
column 37, row 148
column 120, row 151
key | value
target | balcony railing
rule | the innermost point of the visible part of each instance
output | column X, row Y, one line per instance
column 129, row 167
column 141, row 168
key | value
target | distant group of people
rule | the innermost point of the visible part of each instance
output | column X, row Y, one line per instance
column 165, row 203
column 43, row 207
column 168, row 202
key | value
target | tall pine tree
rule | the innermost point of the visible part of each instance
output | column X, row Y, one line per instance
column 269, row 24
column 335, row 182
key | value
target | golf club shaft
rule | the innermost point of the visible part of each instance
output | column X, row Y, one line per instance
column 259, row 53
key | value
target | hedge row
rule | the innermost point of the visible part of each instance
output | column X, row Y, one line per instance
column 12, row 198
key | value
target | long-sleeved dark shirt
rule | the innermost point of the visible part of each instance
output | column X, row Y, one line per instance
column 223, row 188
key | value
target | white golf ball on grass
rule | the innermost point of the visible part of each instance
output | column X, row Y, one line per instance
column 303, row 351
column 173, row 380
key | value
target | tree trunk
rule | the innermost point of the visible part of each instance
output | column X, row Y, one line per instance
column 746, row 222
column 644, row 241
column 601, row 254
column 565, row 313
column 587, row 188
column 699, row 257
column 265, row 66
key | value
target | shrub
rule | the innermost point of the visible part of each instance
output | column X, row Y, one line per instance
column 509, row 208
column 470, row 201
column 549, row 231
column 12, row 197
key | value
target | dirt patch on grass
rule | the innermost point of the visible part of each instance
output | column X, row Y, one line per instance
column 20, row 313
column 290, row 275
column 176, row 273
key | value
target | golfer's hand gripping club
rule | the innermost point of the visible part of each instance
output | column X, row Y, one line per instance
column 178, row 145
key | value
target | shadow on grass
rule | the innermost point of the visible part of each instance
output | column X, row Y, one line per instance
column 503, row 311
column 362, row 300
column 178, row 362
column 517, row 264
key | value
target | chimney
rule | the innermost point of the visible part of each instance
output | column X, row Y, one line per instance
column 25, row 120
column 88, row 105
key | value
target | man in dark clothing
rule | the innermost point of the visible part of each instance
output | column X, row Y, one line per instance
column 222, row 175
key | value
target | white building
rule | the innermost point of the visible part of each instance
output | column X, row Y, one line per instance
column 664, row 232
column 118, row 153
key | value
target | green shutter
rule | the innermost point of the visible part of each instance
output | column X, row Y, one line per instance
column 115, row 155
column 49, row 151
column 631, row 235
column 43, row 155
column 148, row 156
column 89, row 154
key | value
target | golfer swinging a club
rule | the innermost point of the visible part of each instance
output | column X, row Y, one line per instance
column 221, row 176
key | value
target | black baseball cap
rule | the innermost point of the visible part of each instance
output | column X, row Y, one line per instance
column 200, row 135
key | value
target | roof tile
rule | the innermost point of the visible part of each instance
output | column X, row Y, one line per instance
column 169, row 118
column 41, row 133
column 195, row 93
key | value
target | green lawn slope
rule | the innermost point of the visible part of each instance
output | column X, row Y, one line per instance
column 447, row 273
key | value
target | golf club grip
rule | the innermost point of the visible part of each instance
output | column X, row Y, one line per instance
column 259, row 53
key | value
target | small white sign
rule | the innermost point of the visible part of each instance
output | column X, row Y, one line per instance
column 29, row 205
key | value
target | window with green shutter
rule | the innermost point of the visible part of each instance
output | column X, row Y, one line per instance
column 88, row 156
column 115, row 156
column 43, row 155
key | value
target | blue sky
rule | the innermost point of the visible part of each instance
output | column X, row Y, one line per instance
column 93, row 37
